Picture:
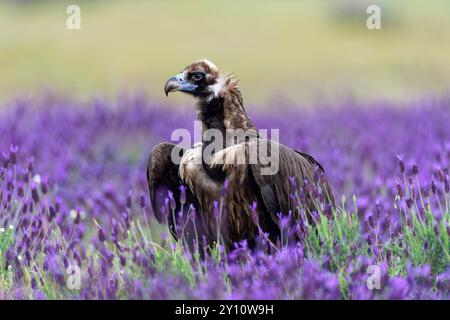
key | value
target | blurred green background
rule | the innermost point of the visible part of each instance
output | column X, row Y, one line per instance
column 309, row 50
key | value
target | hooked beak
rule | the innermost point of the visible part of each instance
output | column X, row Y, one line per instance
column 179, row 83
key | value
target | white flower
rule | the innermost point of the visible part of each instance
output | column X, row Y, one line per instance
column 2, row 230
column 37, row 179
column 19, row 257
column 73, row 214
column 11, row 227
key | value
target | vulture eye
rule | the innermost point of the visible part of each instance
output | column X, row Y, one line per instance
column 197, row 76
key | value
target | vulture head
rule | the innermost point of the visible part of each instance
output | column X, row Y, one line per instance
column 219, row 99
column 199, row 79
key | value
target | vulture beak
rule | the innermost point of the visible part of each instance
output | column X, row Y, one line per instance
column 179, row 83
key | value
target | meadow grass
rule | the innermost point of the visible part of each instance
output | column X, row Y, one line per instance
column 336, row 243
column 410, row 237
column 73, row 189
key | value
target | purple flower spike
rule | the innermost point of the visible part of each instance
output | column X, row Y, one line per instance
column 101, row 235
column 401, row 163
column 183, row 194
column 254, row 214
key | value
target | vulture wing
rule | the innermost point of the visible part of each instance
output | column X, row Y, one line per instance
column 162, row 176
column 311, row 160
column 276, row 189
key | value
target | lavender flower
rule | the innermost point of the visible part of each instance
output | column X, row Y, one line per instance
column 84, row 165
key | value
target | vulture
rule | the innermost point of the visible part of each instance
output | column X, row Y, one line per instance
column 227, row 189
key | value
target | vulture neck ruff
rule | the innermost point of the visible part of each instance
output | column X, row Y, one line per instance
column 223, row 108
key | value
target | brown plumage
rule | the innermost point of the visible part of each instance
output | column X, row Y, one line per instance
column 220, row 107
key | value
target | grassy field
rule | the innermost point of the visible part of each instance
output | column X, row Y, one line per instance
column 301, row 49
column 75, row 215
column 74, row 200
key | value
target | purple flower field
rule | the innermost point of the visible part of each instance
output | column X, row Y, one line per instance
column 76, row 222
